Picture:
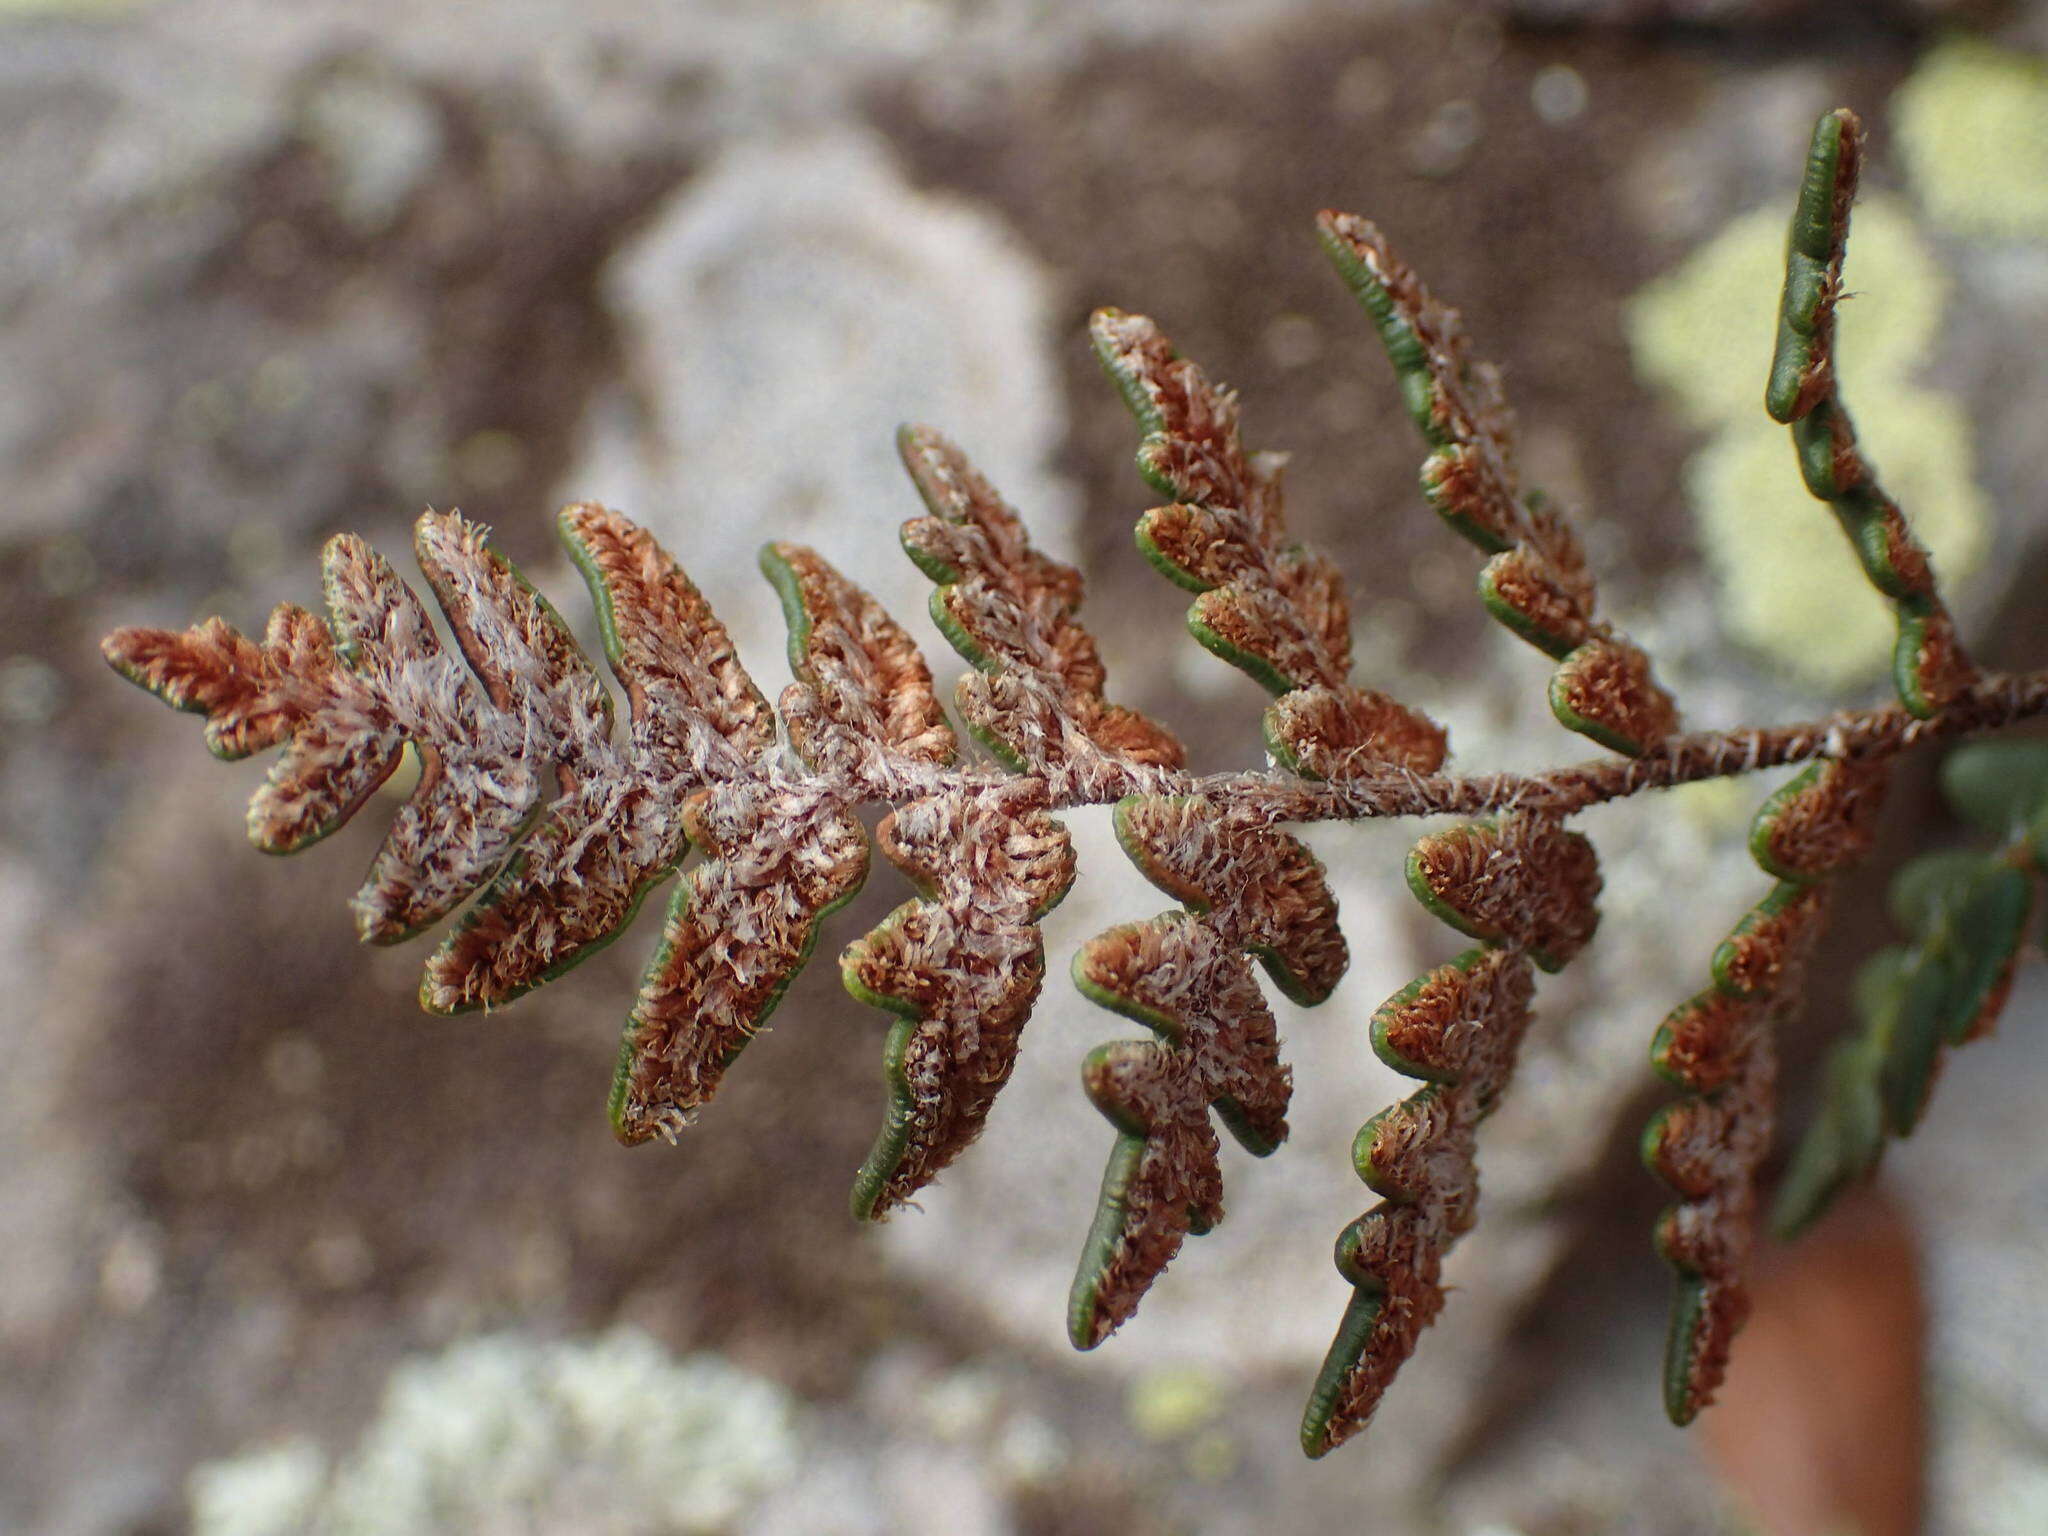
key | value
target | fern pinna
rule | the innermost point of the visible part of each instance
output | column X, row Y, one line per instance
column 553, row 821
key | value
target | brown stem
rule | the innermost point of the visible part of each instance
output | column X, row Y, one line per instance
column 1990, row 702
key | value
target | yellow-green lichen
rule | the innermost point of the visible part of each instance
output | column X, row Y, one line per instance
column 1715, row 805
column 1972, row 125
column 1174, row 1402
column 1789, row 585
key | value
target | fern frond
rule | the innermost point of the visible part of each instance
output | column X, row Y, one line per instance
column 962, row 967
column 254, row 693
column 1268, row 606
column 779, row 858
column 1522, row 880
column 1247, row 889
column 1036, row 699
column 555, row 824
column 694, row 718
column 783, row 849
column 1720, row 1046
column 1708, row 1147
column 488, row 738
column 1278, row 612
column 1529, row 889
column 1459, row 1027
column 1929, row 666
column 862, row 708
column 1537, row 582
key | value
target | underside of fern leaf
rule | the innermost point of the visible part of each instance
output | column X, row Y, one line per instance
column 1537, row 582
column 1710, row 1146
column 1276, row 610
column 1526, row 888
column 554, row 820
column 1721, row 1047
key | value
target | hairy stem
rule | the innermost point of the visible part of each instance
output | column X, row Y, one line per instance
column 1991, row 702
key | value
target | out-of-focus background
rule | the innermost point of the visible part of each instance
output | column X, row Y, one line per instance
column 280, row 1254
